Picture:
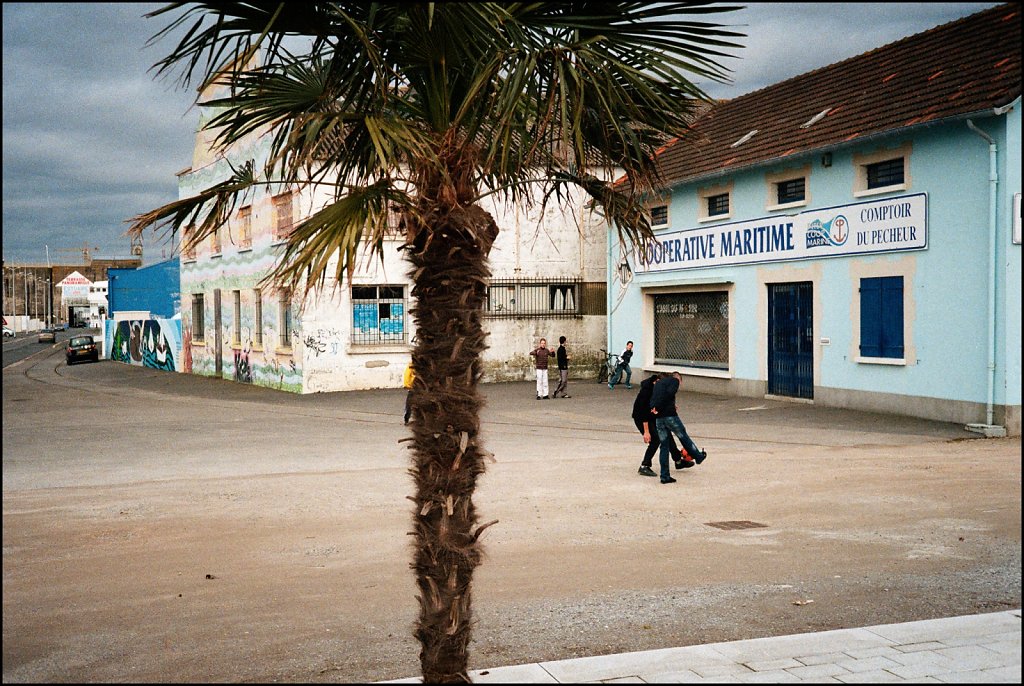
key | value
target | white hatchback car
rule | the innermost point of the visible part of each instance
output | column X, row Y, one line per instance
column 8, row 332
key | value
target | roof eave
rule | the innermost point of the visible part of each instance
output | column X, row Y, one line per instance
column 832, row 147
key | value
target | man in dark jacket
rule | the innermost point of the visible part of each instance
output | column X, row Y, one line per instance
column 663, row 406
column 563, row 370
column 644, row 421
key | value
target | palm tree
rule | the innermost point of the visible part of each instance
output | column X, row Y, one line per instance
column 422, row 109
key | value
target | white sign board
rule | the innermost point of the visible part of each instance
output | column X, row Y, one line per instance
column 877, row 226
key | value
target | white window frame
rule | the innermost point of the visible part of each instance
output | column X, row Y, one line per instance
column 704, row 194
column 668, row 218
column 773, row 180
column 861, row 162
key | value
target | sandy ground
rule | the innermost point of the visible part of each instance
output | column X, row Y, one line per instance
column 160, row 527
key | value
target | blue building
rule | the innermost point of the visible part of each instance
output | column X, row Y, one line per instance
column 848, row 237
column 155, row 289
column 144, row 328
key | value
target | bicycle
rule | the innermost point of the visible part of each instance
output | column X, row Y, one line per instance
column 606, row 368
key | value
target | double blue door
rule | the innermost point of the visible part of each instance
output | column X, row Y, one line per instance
column 791, row 339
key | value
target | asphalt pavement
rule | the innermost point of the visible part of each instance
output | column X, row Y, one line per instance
column 867, row 496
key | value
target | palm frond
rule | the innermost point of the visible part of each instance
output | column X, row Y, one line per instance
column 341, row 231
column 202, row 214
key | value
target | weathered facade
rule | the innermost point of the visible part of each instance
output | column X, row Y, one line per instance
column 548, row 281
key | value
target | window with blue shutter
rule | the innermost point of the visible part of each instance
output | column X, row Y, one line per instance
column 881, row 317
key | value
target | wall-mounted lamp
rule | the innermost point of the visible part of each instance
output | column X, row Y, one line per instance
column 625, row 273
column 826, row 160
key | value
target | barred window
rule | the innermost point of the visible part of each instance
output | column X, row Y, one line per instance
column 793, row 190
column 378, row 315
column 659, row 216
column 718, row 204
column 692, row 329
column 198, row 318
column 515, row 298
column 887, row 173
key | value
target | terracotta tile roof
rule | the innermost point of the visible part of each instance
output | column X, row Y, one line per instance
column 963, row 67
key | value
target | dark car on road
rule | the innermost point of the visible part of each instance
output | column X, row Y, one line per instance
column 47, row 336
column 81, row 348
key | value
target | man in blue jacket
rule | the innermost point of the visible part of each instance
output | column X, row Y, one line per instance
column 663, row 406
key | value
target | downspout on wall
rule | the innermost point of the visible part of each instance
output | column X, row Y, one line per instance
column 608, row 291
column 988, row 429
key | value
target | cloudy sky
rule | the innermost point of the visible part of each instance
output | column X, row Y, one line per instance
column 91, row 138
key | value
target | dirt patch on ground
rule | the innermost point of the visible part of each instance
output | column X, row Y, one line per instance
column 273, row 547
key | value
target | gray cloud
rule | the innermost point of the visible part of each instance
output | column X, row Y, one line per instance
column 91, row 138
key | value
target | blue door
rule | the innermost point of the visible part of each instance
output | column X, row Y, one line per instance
column 790, row 340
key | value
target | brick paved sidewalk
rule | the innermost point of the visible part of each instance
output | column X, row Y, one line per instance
column 981, row 648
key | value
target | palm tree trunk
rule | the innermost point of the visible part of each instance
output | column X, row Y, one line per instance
column 449, row 274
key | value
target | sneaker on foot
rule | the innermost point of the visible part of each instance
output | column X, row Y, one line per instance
column 566, row 396
column 547, row 398
column 685, row 464
column 646, row 471
column 701, row 456
column 669, row 480
column 538, row 397
column 629, row 387
column 611, row 387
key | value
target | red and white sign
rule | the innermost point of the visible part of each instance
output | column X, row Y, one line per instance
column 75, row 279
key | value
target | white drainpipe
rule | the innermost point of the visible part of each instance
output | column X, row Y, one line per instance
column 608, row 291
column 993, row 201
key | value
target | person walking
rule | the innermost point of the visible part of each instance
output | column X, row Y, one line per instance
column 663, row 406
column 541, row 354
column 563, row 370
column 645, row 424
column 623, row 366
column 407, row 380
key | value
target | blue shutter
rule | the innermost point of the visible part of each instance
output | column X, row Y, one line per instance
column 892, row 316
column 871, row 317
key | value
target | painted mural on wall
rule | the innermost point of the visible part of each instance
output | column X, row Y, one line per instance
column 153, row 343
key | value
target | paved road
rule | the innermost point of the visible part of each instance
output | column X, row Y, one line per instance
column 163, row 527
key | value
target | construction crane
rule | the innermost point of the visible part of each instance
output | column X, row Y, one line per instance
column 85, row 250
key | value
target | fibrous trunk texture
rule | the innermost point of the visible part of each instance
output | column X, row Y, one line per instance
column 449, row 273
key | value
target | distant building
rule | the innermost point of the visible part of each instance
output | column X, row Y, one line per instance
column 97, row 305
column 31, row 296
column 548, row 280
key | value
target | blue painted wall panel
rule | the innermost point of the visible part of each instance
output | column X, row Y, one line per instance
column 156, row 288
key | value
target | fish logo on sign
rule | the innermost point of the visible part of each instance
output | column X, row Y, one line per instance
column 834, row 232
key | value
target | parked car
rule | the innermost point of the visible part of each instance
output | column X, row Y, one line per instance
column 47, row 336
column 81, row 348
column 8, row 332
